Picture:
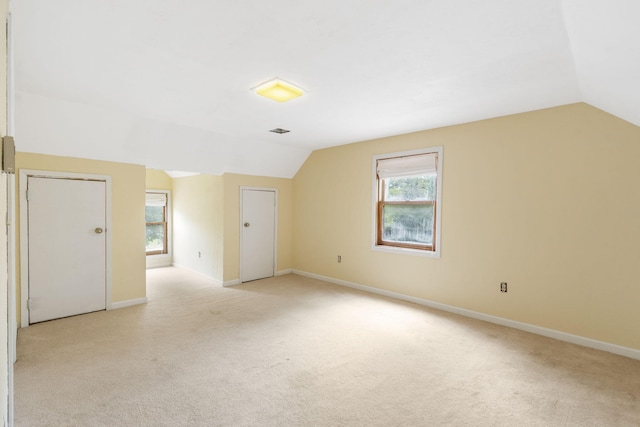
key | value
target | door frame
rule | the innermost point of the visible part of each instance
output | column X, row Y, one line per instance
column 25, row 174
column 275, row 231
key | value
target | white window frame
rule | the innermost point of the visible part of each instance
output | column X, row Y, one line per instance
column 374, row 205
column 169, row 227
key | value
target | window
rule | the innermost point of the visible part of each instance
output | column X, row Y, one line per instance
column 407, row 201
column 156, row 217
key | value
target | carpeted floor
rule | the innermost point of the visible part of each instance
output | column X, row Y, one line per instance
column 294, row 351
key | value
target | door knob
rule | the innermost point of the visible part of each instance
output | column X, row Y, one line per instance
column 246, row 224
column 98, row 230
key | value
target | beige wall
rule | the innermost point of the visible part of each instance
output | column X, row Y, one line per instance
column 547, row 201
column 197, row 224
column 158, row 180
column 232, row 184
column 206, row 220
column 128, row 230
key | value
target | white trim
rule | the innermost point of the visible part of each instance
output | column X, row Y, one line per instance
column 238, row 282
column 109, row 233
column 12, row 267
column 374, row 204
column 158, row 261
column 24, row 235
column 275, row 226
column 215, row 281
column 538, row 330
column 168, row 212
column 12, row 333
column 232, row 282
column 128, row 303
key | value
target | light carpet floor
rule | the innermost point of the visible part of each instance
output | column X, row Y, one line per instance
column 294, row 351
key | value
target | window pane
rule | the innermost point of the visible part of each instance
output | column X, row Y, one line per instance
column 408, row 224
column 154, row 213
column 410, row 188
column 155, row 237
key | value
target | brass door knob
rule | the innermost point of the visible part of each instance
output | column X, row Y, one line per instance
column 98, row 230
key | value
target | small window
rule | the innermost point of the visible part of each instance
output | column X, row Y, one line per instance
column 407, row 201
column 156, row 217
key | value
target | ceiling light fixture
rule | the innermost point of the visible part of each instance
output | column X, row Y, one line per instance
column 278, row 90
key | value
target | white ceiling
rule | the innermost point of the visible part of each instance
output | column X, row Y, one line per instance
column 165, row 83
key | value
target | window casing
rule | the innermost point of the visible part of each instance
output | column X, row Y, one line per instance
column 407, row 203
column 157, row 223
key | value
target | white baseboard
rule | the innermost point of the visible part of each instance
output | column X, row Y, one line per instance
column 551, row 333
column 158, row 261
column 238, row 282
column 128, row 303
column 231, row 282
column 216, row 281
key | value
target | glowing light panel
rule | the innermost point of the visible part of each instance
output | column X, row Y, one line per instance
column 279, row 90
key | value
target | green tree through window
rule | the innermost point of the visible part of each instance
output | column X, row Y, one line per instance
column 409, row 219
column 156, row 224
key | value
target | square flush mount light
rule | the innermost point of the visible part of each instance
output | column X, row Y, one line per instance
column 278, row 90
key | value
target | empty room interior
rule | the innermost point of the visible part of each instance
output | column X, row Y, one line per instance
column 320, row 213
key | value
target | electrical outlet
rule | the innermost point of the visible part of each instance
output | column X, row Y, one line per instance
column 503, row 287
column 339, row 258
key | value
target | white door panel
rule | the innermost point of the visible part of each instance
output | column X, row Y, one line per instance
column 67, row 247
column 258, row 234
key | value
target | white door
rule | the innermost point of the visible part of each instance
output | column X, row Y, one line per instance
column 67, row 247
column 258, row 235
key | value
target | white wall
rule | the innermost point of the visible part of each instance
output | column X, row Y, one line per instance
column 4, row 354
column 197, row 224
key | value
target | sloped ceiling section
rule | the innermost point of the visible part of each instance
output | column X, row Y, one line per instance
column 165, row 83
column 605, row 39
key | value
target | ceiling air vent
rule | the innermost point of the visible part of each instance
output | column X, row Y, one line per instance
column 279, row 130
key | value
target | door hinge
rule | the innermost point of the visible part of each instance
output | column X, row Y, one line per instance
column 27, row 195
column 29, row 304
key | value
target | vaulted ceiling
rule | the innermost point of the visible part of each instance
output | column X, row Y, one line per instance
column 166, row 83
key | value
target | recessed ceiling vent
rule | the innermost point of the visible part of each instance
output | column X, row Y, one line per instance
column 279, row 130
